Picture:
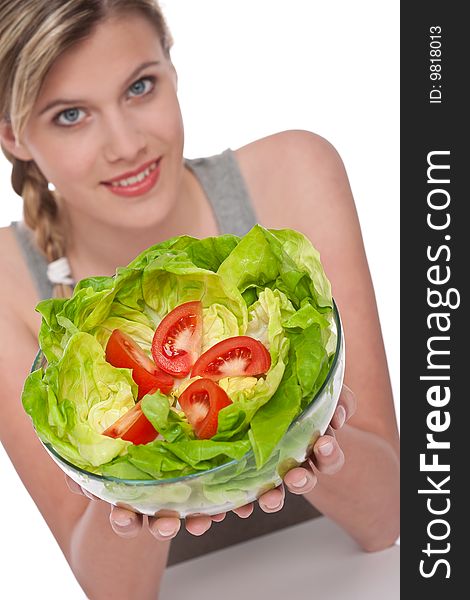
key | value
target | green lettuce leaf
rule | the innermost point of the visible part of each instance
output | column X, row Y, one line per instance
column 76, row 399
column 162, row 459
column 281, row 259
column 166, row 420
column 307, row 258
column 218, row 323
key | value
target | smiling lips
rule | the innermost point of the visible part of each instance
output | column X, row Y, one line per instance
column 136, row 183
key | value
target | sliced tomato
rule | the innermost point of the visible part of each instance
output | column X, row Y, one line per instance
column 133, row 426
column 201, row 402
column 177, row 340
column 240, row 355
column 122, row 351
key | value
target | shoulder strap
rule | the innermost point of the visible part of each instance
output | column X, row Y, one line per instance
column 36, row 262
column 226, row 190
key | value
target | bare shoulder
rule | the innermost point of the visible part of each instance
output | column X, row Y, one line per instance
column 18, row 295
column 292, row 173
column 294, row 146
column 297, row 179
column 9, row 259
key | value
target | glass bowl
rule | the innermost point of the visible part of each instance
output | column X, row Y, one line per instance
column 227, row 486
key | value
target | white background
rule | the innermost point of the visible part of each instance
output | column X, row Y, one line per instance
column 249, row 68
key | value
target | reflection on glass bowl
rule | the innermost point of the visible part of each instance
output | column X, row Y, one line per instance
column 227, row 486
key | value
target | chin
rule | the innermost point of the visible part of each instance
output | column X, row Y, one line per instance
column 145, row 215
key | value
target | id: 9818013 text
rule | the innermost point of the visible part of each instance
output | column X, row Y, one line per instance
column 435, row 64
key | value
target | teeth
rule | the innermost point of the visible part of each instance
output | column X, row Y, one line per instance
column 135, row 178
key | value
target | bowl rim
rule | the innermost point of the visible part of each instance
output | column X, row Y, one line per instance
column 185, row 478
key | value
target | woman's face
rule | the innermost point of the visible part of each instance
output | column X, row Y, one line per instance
column 106, row 129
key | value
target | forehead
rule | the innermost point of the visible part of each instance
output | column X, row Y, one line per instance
column 112, row 51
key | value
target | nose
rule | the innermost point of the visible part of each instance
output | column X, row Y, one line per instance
column 123, row 139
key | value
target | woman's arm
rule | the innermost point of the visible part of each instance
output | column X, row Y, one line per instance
column 105, row 564
column 297, row 180
column 363, row 496
column 111, row 566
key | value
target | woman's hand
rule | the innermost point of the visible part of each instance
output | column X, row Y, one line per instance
column 128, row 524
column 327, row 458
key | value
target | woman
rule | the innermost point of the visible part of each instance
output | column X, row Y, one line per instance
column 88, row 106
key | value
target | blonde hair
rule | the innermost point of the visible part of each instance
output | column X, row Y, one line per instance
column 33, row 34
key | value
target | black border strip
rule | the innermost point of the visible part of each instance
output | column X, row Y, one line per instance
column 435, row 353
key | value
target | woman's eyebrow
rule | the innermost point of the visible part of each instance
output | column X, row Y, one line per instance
column 58, row 102
column 135, row 72
column 62, row 101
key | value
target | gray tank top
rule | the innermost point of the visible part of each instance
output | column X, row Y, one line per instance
column 225, row 188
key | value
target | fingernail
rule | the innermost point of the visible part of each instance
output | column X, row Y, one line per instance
column 122, row 521
column 301, row 483
column 326, row 449
column 202, row 532
column 219, row 518
column 341, row 415
column 166, row 531
column 271, row 506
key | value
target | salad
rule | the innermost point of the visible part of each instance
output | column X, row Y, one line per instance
column 197, row 352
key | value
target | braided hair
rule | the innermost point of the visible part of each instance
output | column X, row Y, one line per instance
column 41, row 214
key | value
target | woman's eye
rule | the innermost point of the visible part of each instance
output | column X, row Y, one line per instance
column 142, row 86
column 70, row 116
